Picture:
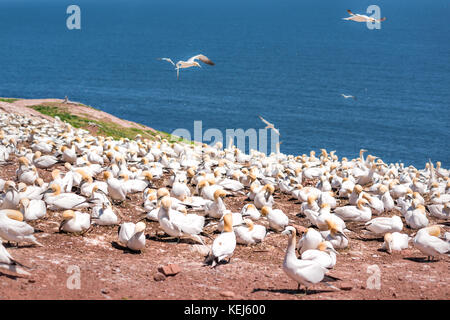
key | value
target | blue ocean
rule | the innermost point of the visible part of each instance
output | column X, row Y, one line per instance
column 288, row 61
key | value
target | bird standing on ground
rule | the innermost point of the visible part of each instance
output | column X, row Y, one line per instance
column 427, row 241
column 224, row 245
column 304, row 272
column 12, row 228
column 7, row 262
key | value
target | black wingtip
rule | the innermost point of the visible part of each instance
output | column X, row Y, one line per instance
column 331, row 278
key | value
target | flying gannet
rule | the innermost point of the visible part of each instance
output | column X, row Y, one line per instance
column 189, row 63
column 269, row 125
column 362, row 18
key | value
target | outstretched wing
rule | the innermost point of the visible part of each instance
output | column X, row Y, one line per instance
column 202, row 58
column 167, row 59
column 276, row 131
column 265, row 121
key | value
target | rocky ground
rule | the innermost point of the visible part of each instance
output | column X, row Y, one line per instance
column 109, row 271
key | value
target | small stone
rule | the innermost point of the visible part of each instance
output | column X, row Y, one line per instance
column 346, row 286
column 170, row 270
column 228, row 294
column 116, row 270
column 104, row 291
column 159, row 277
column 31, row 280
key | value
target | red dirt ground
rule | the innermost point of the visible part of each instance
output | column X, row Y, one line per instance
column 108, row 271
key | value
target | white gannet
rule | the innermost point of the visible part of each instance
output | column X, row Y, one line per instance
column 356, row 194
column 304, row 272
column 44, row 162
column 441, row 211
column 348, row 96
column 225, row 243
column 189, row 63
column 325, row 214
column 265, row 197
column 269, row 125
column 237, row 220
column 335, row 235
column 7, row 262
column 310, row 204
column 177, row 224
column 250, row 233
column 355, row 213
column 362, row 18
column 251, row 211
column 32, row 209
column 216, row 208
column 12, row 227
column 75, row 221
column 427, row 241
column 277, row 219
column 116, row 189
column 416, row 216
column 310, row 240
column 382, row 225
column 63, row 201
column 375, row 203
column 11, row 197
column 388, row 202
column 324, row 254
column 395, row 241
column 104, row 215
column 132, row 235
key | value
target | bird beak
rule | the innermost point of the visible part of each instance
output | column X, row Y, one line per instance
column 343, row 234
column 47, row 191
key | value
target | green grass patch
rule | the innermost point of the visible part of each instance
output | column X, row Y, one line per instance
column 9, row 100
column 107, row 129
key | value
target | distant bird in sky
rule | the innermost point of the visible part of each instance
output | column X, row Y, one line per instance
column 190, row 63
column 348, row 96
column 269, row 125
column 362, row 18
